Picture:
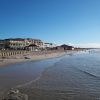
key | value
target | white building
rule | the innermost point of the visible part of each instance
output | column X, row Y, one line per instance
column 49, row 45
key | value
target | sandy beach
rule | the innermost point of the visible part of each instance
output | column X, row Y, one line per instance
column 29, row 57
column 24, row 72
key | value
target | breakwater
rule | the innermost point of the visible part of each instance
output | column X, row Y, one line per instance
column 7, row 53
column 10, row 53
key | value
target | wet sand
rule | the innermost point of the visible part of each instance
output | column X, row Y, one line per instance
column 13, row 73
column 57, row 84
column 64, row 81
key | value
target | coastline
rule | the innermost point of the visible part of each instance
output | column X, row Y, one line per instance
column 30, row 57
column 33, row 58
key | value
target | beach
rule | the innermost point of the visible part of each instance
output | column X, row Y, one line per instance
column 30, row 57
column 67, row 77
column 16, row 73
column 73, row 77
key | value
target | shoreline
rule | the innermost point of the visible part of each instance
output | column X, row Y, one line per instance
column 33, row 58
column 18, row 59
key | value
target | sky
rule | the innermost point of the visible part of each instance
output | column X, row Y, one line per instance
column 75, row 22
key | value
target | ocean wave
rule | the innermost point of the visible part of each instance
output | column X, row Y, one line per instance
column 88, row 73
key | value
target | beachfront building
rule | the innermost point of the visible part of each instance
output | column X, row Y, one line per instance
column 2, row 44
column 59, row 48
column 32, row 47
column 21, row 43
column 15, row 43
column 67, row 47
column 34, row 42
column 29, row 41
column 49, row 45
column 38, row 43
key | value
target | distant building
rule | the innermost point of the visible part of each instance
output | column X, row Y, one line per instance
column 32, row 47
column 2, row 44
column 60, row 48
column 28, row 41
column 16, row 43
column 67, row 47
column 20, row 43
column 38, row 42
column 49, row 45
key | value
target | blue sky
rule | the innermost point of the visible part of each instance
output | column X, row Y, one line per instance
column 58, row 21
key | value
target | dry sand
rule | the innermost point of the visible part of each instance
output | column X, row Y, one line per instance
column 29, row 57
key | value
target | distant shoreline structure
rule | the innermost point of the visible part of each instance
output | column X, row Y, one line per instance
column 29, row 44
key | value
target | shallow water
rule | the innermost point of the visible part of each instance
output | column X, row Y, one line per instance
column 22, row 73
column 71, row 77
column 75, row 77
